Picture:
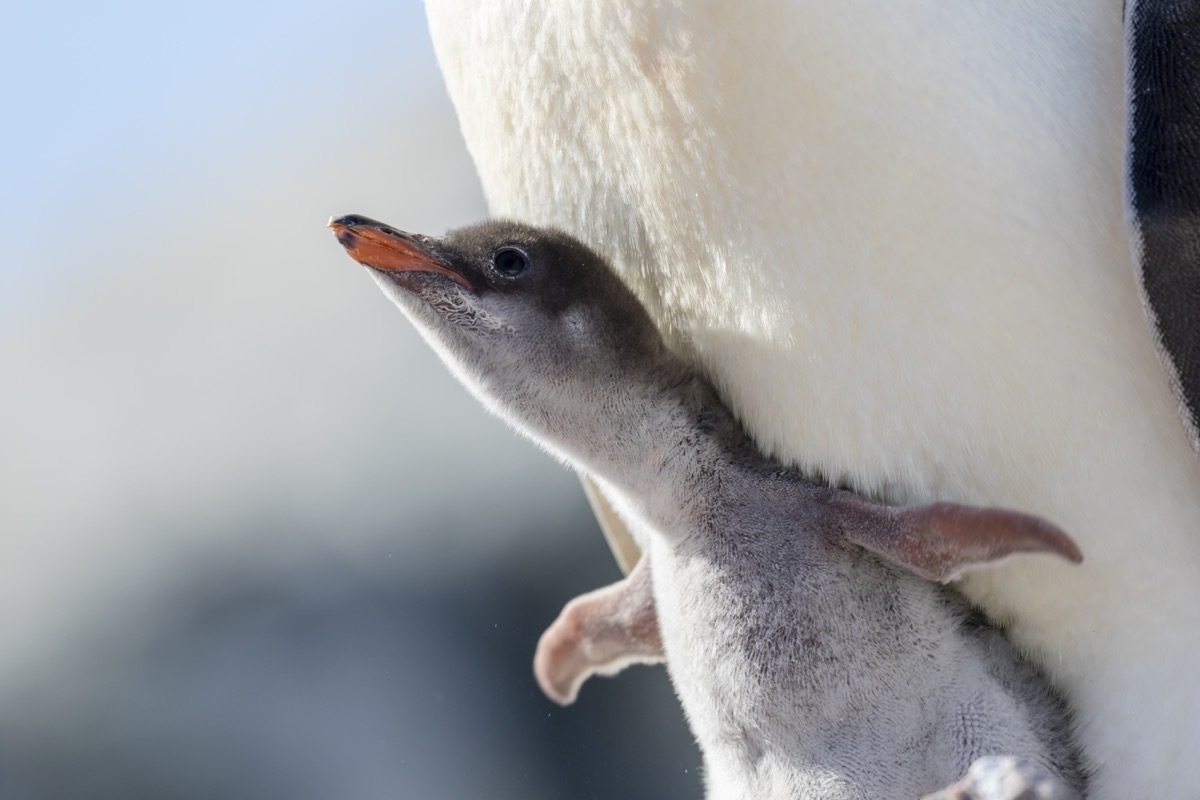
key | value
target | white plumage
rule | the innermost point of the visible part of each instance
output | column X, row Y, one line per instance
column 893, row 235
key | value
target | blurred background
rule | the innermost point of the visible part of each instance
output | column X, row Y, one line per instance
column 255, row 542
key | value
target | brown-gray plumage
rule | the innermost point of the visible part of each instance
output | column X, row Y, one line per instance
column 810, row 658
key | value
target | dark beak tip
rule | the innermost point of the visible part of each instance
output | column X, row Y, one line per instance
column 354, row 221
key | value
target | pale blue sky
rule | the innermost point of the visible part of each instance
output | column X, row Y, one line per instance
column 111, row 110
column 204, row 400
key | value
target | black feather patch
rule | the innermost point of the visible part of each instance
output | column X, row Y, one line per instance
column 1163, row 40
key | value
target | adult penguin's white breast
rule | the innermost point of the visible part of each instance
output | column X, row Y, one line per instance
column 893, row 235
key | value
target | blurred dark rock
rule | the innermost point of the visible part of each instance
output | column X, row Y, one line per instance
column 325, row 680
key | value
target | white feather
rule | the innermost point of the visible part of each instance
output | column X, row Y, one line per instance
column 892, row 234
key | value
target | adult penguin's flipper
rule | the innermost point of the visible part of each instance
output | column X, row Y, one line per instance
column 1163, row 193
column 620, row 540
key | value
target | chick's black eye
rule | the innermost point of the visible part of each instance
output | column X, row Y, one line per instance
column 509, row 261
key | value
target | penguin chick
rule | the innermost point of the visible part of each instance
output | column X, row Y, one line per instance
column 810, row 648
column 604, row 631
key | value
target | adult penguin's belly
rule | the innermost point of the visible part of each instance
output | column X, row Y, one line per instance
column 895, row 241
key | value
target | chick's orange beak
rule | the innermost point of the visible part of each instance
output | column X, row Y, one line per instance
column 380, row 247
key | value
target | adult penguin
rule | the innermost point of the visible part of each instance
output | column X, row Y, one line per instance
column 894, row 235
